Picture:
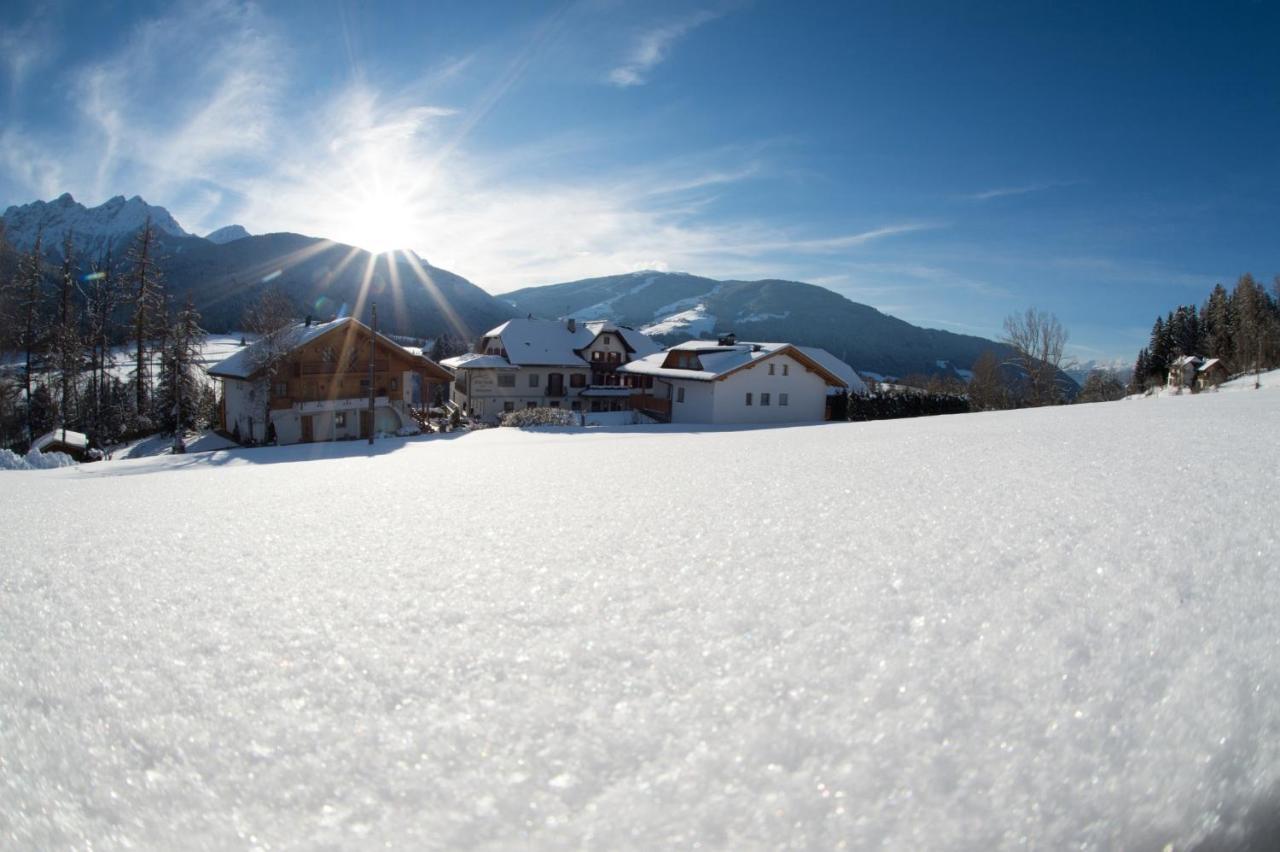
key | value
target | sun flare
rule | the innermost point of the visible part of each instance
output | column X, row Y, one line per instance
column 381, row 220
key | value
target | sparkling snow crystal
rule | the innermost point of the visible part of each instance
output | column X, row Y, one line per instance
column 1047, row 629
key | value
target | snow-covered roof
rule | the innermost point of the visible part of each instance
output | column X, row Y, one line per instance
column 1207, row 364
column 243, row 364
column 719, row 359
column 1183, row 360
column 549, row 343
column 476, row 361
column 61, row 436
column 833, row 364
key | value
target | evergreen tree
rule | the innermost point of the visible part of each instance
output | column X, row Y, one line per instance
column 31, row 326
column 1218, row 327
column 1158, row 351
column 103, row 298
column 145, row 283
column 1137, row 383
column 179, row 395
column 65, row 344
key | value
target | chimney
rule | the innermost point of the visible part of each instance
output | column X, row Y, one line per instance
column 729, row 339
column 308, row 320
column 571, row 324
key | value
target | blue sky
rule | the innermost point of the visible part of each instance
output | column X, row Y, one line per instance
column 949, row 163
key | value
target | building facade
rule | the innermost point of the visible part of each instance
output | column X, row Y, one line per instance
column 727, row 382
column 531, row 363
column 311, row 382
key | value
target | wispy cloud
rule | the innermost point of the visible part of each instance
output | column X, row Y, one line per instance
column 1022, row 189
column 653, row 46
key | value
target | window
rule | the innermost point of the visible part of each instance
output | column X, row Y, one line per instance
column 786, row 369
column 395, row 383
column 506, row 380
column 771, row 366
column 340, row 419
column 576, row 405
column 282, row 389
column 606, row 340
column 764, row 399
column 531, row 405
column 680, row 395
column 508, row 406
column 577, row 380
column 782, row 399
column 364, row 385
column 555, row 403
column 534, row 380
column 595, row 356
column 748, row 399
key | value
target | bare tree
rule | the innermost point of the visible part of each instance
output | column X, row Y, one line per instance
column 988, row 389
column 270, row 318
column 1038, row 341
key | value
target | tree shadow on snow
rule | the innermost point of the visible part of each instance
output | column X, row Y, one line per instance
column 1257, row 831
column 287, row 454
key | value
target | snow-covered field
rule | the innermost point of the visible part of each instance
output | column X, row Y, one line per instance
column 1038, row 629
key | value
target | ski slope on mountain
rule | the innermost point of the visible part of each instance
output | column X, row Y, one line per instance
column 1048, row 629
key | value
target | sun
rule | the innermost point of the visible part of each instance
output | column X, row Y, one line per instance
column 381, row 219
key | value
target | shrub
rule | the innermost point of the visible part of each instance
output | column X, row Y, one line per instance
column 540, row 417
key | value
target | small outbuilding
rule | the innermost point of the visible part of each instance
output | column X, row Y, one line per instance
column 1210, row 374
column 74, row 444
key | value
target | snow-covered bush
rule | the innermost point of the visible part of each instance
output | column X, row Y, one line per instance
column 540, row 417
column 34, row 460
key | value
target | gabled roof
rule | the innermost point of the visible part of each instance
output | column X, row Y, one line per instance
column 243, row 364
column 718, row 361
column 549, row 343
column 61, row 436
column 476, row 361
column 1210, row 363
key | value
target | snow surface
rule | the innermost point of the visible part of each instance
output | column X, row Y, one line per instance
column 695, row 321
column 970, row 632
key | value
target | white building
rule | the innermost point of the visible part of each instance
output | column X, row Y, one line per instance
column 725, row 381
column 534, row 363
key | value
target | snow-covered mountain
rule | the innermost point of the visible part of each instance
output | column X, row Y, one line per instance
column 676, row 306
column 94, row 230
column 228, row 234
column 1123, row 368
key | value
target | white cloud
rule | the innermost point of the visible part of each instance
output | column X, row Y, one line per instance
column 1023, row 189
column 652, row 47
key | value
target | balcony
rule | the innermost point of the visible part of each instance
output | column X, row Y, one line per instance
column 329, row 368
column 311, row 406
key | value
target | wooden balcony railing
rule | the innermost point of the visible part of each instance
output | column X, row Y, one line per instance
column 329, row 368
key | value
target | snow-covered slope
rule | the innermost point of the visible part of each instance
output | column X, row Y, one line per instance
column 973, row 632
column 94, row 229
column 227, row 234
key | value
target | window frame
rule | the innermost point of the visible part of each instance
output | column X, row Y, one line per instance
column 749, row 403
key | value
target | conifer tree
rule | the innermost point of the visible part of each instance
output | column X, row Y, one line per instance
column 179, row 395
column 1218, row 326
column 145, row 283
column 30, row 324
column 65, row 344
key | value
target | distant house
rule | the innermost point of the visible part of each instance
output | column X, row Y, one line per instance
column 1195, row 373
column 1182, row 371
column 534, row 363
column 74, row 444
column 319, row 390
column 1211, row 373
column 727, row 381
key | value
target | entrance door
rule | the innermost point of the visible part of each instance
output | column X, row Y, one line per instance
column 366, row 423
column 308, row 432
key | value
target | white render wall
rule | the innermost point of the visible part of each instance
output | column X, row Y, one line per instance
column 487, row 397
column 725, row 401
column 699, row 401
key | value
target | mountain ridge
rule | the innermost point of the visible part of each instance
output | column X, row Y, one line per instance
column 674, row 306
